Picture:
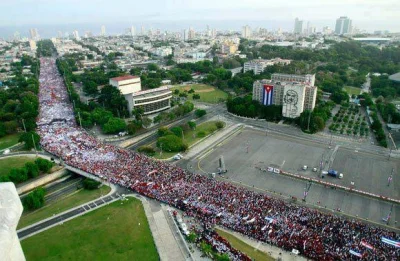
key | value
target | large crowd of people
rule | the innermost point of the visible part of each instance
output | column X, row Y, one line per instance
column 314, row 234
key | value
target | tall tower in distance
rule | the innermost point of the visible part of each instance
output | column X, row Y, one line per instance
column 343, row 25
column 298, row 26
column 246, row 31
column 103, row 30
column 34, row 34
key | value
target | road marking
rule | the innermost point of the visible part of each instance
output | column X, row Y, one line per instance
column 283, row 163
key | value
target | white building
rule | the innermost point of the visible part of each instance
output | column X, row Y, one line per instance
column 34, row 34
column 10, row 213
column 343, row 25
column 103, row 30
column 76, row 35
column 259, row 65
column 298, row 26
column 294, row 96
column 162, row 51
column 153, row 100
column 246, row 31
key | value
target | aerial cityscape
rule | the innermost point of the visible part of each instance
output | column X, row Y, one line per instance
column 182, row 130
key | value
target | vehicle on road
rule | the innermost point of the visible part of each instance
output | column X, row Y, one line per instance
column 314, row 169
column 177, row 157
column 332, row 173
column 305, row 167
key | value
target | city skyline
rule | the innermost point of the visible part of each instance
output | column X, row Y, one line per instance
column 73, row 15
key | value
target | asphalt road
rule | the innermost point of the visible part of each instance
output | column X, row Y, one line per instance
column 211, row 112
column 290, row 154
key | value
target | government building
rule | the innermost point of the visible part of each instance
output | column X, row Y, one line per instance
column 152, row 100
column 296, row 93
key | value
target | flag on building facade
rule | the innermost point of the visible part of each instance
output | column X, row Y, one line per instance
column 268, row 94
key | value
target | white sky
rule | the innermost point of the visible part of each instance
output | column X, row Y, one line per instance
column 366, row 14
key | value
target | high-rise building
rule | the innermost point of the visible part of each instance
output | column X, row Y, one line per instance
column 59, row 34
column 246, row 31
column 133, row 31
column 214, row 33
column 34, row 34
column 103, row 30
column 184, row 35
column 295, row 93
column 142, row 30
column 298, row 26
column 76, row 35
column 17, row 36
column 343, row 25
column 191, row 34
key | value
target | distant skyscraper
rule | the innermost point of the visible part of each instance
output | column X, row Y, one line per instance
column 59, row 34
column 184, row 35
column 133, row 31
column 75, row 34
column 142, row 30
column 34, row 34
column 103, row 30
column 298, row 26
column 214, row 33
column 246, row 31
column 191, row 34
column 343, row 25
column 17, row 36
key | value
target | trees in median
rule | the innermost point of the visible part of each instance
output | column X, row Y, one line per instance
column 35, row 199
column 200, row 113
column 171, row 143
column 90, row 184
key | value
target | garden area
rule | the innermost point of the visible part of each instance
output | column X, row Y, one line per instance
column 199, row 92
column 178, row 139
column 350, row 121
column 118, row 231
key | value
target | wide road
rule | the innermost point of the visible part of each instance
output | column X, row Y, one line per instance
column 290, row 154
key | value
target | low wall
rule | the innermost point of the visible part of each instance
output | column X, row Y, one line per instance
column 47, row 178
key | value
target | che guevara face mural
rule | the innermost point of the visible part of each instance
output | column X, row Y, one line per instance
column 291, row 100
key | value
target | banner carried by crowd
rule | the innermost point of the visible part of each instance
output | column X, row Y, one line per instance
column 256, row 215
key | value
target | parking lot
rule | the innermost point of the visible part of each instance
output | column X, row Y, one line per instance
column 248, row 155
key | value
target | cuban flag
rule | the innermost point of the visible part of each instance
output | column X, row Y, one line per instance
column 268, row 93
column 391, row 242
column 354, row 253
column 365, row 244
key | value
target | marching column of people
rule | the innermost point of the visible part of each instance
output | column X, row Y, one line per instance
column 314, row 234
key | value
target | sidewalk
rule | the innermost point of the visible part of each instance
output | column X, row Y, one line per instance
column 273, row 251
column 166, row 243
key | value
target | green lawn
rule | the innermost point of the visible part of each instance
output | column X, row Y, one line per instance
column 9, row 140
column 207, row 93
column 352, row 90
column 61, row 205
column 190, row 138
column 245, row 248
column 119, row 231
column 13, row 162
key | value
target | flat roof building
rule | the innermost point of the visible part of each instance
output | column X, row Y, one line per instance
column 153, row 100
column 259, row 65
column 294, row 96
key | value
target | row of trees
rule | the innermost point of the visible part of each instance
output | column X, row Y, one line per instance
column 28, row 171
column 19, row 104
column 247, row 107
column 312, row 122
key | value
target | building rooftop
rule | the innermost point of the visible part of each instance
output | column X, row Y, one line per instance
column 124, row 78
column 395, row 77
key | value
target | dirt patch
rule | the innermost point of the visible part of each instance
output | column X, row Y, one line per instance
column 187, row 88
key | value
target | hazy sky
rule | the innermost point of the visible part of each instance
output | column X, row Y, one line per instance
column 366, row 14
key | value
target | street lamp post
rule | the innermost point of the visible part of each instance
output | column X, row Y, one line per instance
column 34, row 145
column 23, row 123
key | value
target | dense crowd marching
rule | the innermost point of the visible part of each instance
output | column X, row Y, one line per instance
column 316, row 235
